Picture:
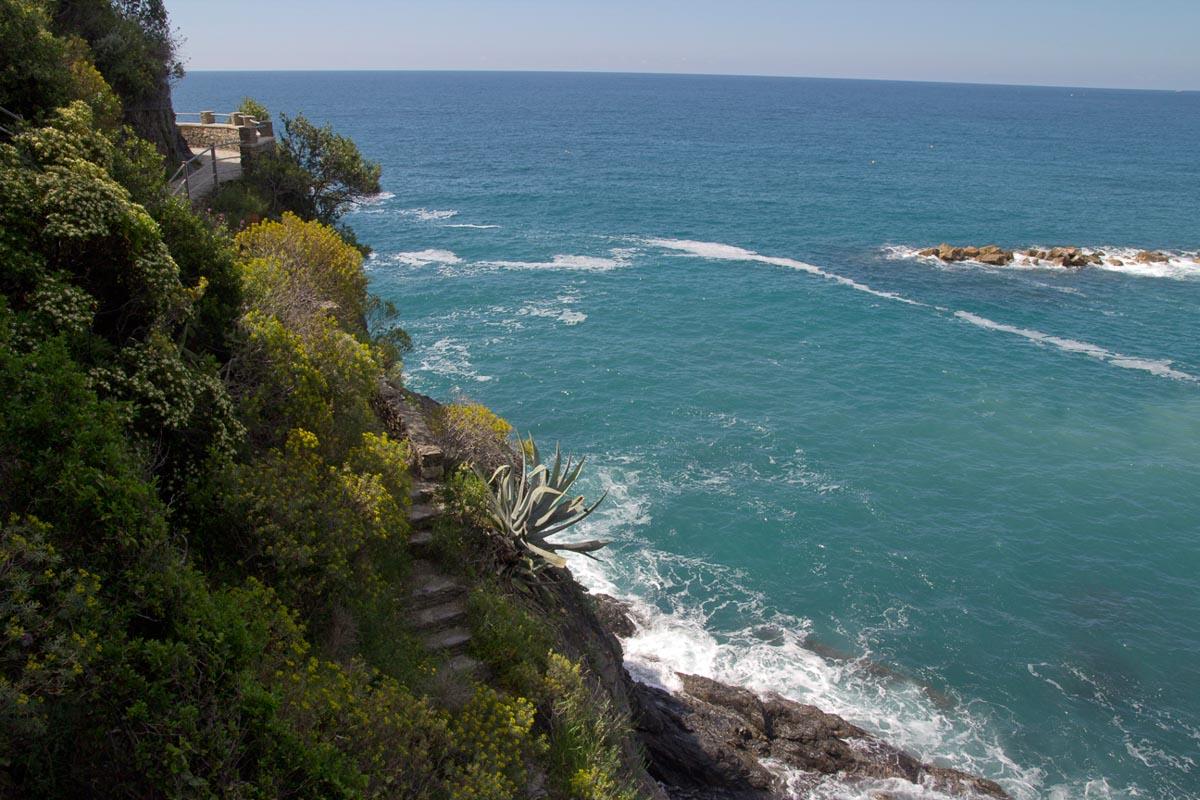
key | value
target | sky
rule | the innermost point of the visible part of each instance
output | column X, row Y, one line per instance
column 1104, row 43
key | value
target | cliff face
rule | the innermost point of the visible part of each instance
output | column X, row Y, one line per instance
column 152, row 115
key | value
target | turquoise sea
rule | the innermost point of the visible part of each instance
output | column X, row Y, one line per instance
column 958, row 505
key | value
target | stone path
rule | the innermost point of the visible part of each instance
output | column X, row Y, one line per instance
column 201, row 180
column 437, row 601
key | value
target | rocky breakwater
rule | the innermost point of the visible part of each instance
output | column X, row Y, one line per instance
column 1071, row 257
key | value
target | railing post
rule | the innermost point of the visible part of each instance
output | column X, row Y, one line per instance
column 212, row 152
column 207, row 118
column 187, row 180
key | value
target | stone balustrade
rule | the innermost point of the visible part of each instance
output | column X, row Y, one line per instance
column 233, row 131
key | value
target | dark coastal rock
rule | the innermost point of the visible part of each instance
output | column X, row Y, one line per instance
column 614, row 614
column 711, row 740
column 1151, row 257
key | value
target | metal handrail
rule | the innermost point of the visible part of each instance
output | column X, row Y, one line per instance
column 211, row 150
column 14, row 117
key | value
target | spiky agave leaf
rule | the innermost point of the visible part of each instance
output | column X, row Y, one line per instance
column 529, row 507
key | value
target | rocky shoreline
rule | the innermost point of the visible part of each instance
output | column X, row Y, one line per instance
column 1073, row 257
column 714, row 741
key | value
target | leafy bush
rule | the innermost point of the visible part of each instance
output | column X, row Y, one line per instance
column 585, row 737
column 237, row 205
column 255, row 109
column 474, row 434
column 508, row 639
column 315, row 527
column 33, row 78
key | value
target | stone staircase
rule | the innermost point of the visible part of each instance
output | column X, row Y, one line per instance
column 437, row 601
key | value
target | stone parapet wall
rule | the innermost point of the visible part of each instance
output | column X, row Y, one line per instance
column 197, row 135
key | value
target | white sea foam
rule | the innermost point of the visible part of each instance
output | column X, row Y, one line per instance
column 470, row 225
column 558, row 308
column 1162, row 368
column 419, row 258
column 428, row 214
column 1178, row 266
column 452, row 359
column 578, row 263
column 373, row 200
column 725, row 252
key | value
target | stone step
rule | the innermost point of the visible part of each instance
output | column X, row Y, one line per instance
column 463, row 664
column 431, row 461
column 431, row 587
column 425, row 514
column 423, row 491
column 421, row 543
column 441, row 616
column 451, row 640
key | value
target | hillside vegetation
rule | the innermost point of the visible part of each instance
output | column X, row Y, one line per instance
column 204, row 520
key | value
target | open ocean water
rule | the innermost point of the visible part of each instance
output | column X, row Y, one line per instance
column 958, row 505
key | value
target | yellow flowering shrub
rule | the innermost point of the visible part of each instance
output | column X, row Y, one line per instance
column 585, row 737
column 49, row 614
column 295, row 270
column 399, row 745
column 318, row 529
column 473, row 433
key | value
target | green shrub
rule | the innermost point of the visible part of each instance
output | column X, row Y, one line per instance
column 585, row 737
column 255, row 109
column 508, row 639
column 238, row 205
column 316, row 529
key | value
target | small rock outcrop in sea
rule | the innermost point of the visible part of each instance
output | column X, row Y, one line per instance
column 988, row 254
column 1072, row 257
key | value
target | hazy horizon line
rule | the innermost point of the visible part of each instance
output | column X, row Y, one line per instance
column 663, row 73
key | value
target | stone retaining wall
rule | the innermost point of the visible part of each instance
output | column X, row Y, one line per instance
column 197, row 135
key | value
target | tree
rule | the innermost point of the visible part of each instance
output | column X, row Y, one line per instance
column 315, row 172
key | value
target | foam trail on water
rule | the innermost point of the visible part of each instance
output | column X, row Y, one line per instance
column 724, row 252
column 1154, row 367
column 429, row 214
column 567, row 262
column 419, row 258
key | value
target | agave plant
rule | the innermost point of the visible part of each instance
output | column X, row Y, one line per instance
column 531, row 507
